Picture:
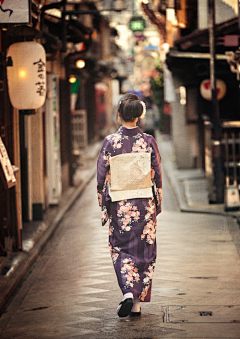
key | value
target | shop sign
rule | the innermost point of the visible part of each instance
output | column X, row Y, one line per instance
column 137, row 24
column 6, row 170
column 14, row 11
column 206, row 90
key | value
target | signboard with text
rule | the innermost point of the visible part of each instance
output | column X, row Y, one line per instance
column 15, row 12
column 6, row 170
column 137, row 24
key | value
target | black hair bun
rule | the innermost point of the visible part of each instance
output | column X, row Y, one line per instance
column 130, row 107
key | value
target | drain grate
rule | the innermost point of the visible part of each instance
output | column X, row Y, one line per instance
column 197, row 314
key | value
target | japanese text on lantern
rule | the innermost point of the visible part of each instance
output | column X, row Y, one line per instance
column 41, row 75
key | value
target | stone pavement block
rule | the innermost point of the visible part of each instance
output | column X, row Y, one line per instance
column 196, row 192
column 69, row 332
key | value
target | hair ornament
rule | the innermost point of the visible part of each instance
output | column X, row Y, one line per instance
column 144, row 109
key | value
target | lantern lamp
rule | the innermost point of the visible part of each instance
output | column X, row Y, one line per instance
column 26, row 75
column 72, row 79
column 80, row 63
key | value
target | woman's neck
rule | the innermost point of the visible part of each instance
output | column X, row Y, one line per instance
column 129, row 124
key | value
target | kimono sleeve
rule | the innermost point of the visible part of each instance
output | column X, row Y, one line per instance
column 103, row 178
column 156, row 174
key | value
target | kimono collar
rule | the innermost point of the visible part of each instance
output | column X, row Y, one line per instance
column 130, row 131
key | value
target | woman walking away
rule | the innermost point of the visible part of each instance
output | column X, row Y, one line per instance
column 129, row 185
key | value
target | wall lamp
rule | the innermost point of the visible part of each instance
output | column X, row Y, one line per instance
column 72, row 79
column 80, row 63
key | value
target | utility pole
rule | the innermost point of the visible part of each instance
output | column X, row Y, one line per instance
column 133, row 7
column 217, row 160
column 239, row 15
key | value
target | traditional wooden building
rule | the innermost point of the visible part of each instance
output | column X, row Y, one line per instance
column 39, row 142
column 202, row 43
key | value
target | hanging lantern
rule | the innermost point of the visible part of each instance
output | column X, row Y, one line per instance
column 27, row 75
column 206, row 89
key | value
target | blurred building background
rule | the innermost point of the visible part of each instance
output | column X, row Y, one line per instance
column 95, row 52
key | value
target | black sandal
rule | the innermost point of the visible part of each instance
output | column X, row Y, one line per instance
column 125, row 307
column 135, row 314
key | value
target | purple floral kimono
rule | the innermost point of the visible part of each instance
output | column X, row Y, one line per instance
column 132, row 223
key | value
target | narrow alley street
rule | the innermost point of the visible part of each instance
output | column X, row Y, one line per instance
column 71, row 73
column 72, row 292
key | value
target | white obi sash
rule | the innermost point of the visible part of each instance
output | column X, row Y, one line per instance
column 130, row 176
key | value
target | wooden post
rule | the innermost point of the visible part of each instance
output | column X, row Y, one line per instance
column 216, row 126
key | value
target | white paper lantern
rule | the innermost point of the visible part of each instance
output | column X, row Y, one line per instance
column 206, row 89
column 27, row 75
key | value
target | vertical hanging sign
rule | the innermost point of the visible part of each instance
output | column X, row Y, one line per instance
column 14, row 11
column 6, row 170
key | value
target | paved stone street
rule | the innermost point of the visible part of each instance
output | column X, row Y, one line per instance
column 72, row 292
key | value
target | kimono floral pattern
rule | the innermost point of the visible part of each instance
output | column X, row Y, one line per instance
column 140, row 146
column 147, row 280
column 137, row 136
column 150, row 209
column 106, row 158
column 111, row 229
column 99, row 195
column 105, row 215
column 132, row 222
column 116, row 140
column 108, row 179
column 149, row 231
column 114, row 252
column 129, row 271
column 159, row 193
column 127, row 214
